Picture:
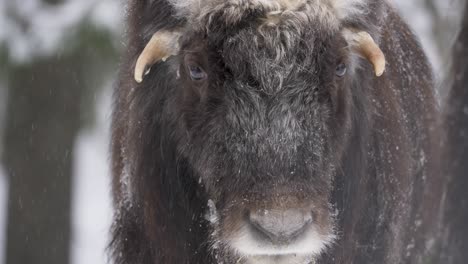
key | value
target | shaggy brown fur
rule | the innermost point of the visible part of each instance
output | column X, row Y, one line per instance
column 272, row 125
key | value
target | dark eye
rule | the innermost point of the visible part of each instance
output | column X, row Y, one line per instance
column 196, row 73
column 341, row 70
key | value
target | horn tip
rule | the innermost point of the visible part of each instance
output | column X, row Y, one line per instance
column 138, row 77
column 379, row 72
column 139, row 71
column 380, row 68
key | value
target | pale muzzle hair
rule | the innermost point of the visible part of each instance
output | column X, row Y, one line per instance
column 164, row 43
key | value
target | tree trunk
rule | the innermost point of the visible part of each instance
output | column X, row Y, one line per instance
column 41, row 126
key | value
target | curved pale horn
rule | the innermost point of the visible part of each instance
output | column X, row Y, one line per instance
column 162, row 45
column 367, row 47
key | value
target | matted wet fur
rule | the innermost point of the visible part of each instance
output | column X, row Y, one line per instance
column 272, row 126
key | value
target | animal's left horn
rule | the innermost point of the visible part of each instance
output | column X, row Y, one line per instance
column 366, row 46
column 162, row 45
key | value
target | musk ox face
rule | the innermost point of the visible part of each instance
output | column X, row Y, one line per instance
column 265, row 123
column 264, row 100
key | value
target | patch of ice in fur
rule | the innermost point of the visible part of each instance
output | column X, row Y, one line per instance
column 212, row 214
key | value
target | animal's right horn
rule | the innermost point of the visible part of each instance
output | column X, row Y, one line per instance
column 162, row 45
column 366, row 46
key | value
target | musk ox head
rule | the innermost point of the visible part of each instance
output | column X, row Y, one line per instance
column 263, row 88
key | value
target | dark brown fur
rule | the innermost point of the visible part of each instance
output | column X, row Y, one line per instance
column 382, row 217
column 379, row 139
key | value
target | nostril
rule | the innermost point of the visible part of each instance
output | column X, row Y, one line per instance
column 280, row 226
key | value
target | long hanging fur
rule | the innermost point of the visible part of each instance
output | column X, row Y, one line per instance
column 381, row 182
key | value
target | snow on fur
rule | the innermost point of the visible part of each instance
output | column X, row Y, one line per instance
column 331, row 11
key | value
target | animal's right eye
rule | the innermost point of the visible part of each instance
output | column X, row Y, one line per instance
column 341, row 70
column 196, row 72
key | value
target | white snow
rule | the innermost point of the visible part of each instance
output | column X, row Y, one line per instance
column 3, row 176
column 92, row 215
column 3, row 209
column 3, row 106
column 108, row 14
column 212, row 214
column 422, row 24
column 45, row 27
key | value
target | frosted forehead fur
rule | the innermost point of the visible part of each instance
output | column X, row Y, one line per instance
column 203, row 14
column 331, row 12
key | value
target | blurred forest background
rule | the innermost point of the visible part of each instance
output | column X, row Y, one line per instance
column 58, row 61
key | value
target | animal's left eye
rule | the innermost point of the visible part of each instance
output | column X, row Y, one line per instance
column 196, row 73
column 341, row 70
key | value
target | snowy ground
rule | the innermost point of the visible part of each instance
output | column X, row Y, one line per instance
column 3, row 196
column 91, row 215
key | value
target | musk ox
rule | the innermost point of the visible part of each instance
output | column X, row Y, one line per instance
column 269, row 131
